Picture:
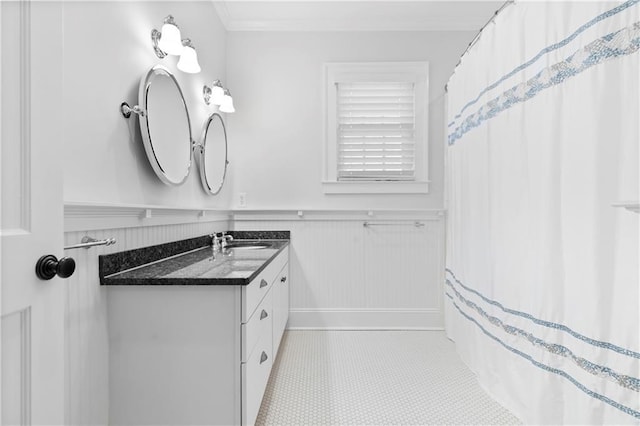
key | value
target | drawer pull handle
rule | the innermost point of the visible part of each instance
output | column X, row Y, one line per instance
column 263, row 357
column 283, row 279
column 263, row 283
column 263, row 314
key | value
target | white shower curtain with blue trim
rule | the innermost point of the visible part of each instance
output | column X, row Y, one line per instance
column 542, row 274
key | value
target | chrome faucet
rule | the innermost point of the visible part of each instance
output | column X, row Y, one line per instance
column 215, row 242
column 224, row 240
column 219, row 243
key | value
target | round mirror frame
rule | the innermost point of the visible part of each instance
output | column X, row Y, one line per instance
column 201, row 155
column 145, row 84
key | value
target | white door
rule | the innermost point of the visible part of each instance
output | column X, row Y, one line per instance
column 31, row 219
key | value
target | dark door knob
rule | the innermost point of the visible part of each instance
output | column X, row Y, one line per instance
column 49, row 266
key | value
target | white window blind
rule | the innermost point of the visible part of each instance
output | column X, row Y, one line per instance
column 376, row 131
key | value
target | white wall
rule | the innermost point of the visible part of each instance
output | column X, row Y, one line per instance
column 343, row 275
column 107, row 49
column 277, row 132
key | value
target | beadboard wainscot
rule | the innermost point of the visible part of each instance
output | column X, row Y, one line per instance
column 345, row 275
column 86, row 339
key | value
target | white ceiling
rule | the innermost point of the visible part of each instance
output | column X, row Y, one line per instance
column 355, row 15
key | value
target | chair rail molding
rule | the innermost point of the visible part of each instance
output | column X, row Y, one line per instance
column 336, row 214
column 80, row 216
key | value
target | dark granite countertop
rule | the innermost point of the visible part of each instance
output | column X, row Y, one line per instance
column 191, row 265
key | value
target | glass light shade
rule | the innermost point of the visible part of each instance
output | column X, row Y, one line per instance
column 189, row 61
column 171, row 41
column 227, row 104
column 217, row 95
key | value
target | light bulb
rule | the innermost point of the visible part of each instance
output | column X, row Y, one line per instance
column 189, row 60
column 170, row 39
column 227, row 103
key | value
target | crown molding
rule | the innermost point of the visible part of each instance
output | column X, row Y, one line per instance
column 318, row 25
column 223, row 13
column 232, row 21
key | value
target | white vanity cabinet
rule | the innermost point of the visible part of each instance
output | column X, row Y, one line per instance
column 260, row 299
column 198, row 354
column 280, row 305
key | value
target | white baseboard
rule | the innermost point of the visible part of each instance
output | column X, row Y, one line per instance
column 365, row 319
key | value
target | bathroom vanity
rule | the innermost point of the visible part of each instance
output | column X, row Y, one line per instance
column 193, row 335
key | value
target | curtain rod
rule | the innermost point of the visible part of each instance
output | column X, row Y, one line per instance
column 477, row 37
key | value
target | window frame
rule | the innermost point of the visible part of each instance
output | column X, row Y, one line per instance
column 348, row 72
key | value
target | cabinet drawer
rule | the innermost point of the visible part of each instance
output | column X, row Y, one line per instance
column 255, row 375
column 254, row 292
column 258, row 324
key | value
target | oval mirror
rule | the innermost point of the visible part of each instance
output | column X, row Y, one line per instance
column 212, row 158
column 165, row 126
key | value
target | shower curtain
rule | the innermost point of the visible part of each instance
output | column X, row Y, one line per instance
column 541, row 290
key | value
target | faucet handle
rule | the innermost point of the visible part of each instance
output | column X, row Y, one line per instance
column 215, row 241
column 224, row 239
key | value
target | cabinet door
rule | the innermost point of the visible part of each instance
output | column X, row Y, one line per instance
column 255, row 375
column 280, row 306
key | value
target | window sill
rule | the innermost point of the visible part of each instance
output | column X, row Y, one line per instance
column 334, row 187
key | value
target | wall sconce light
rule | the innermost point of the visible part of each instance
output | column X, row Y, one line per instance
column 217, row 93
column 213, row 94
column 227, row 102
column 189, row 59
column 169, row 42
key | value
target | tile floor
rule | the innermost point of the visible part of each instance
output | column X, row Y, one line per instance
column 374, row 378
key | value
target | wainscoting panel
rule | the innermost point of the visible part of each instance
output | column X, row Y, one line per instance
column 86, row 341
column 348, row 276
column 401, row 259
